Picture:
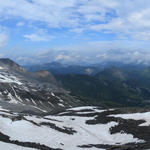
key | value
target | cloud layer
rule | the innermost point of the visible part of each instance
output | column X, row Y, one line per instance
column 124, row 18
column 78, row 25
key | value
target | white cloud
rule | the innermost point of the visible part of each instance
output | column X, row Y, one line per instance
column 3, row 40
column 128, row 17
column 123, row 51
column 54, row 13
column 37, row 37
column 4, row 36
column 62, row 57
column 19, row 24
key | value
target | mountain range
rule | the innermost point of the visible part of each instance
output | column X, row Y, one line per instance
column 107, row 85
column 45, row 111
column 58, row 68
column 111, row 87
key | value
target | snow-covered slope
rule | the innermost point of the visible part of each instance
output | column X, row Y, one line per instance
column 82, row 128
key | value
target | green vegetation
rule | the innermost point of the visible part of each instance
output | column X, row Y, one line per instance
column 111, row 87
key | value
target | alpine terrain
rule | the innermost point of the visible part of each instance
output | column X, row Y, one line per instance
column 22, row 91
column 37, row 114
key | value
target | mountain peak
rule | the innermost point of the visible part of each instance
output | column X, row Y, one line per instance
column 112, row 72
column 45, row 75
column 7, row 63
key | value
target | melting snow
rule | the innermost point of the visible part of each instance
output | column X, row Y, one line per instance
column 136, row 116
column 82, row 108
column 52, row 94
column 12, row 99
column 9, row 79
column 26, row 131
column 5, row 146
column 86, row 134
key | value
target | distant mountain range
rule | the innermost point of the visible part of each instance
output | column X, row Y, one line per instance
column 111, row 87
column 111, row 84
column 91, row 69
column 58, row 68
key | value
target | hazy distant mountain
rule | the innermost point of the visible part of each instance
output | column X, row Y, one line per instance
column 104, row 84
column 46, row 66
column 57, row 68
column 112, row 73
column 91, row 69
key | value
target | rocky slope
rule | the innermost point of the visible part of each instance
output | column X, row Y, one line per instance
column 22, row 91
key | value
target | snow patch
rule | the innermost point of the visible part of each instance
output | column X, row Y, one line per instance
column 136, row 116
column 5, row 78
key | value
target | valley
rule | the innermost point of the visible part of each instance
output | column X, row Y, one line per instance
column 108, row 86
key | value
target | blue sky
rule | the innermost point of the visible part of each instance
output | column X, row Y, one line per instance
column 39, row 31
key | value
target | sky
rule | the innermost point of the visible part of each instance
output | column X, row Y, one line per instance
column 40, row 31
